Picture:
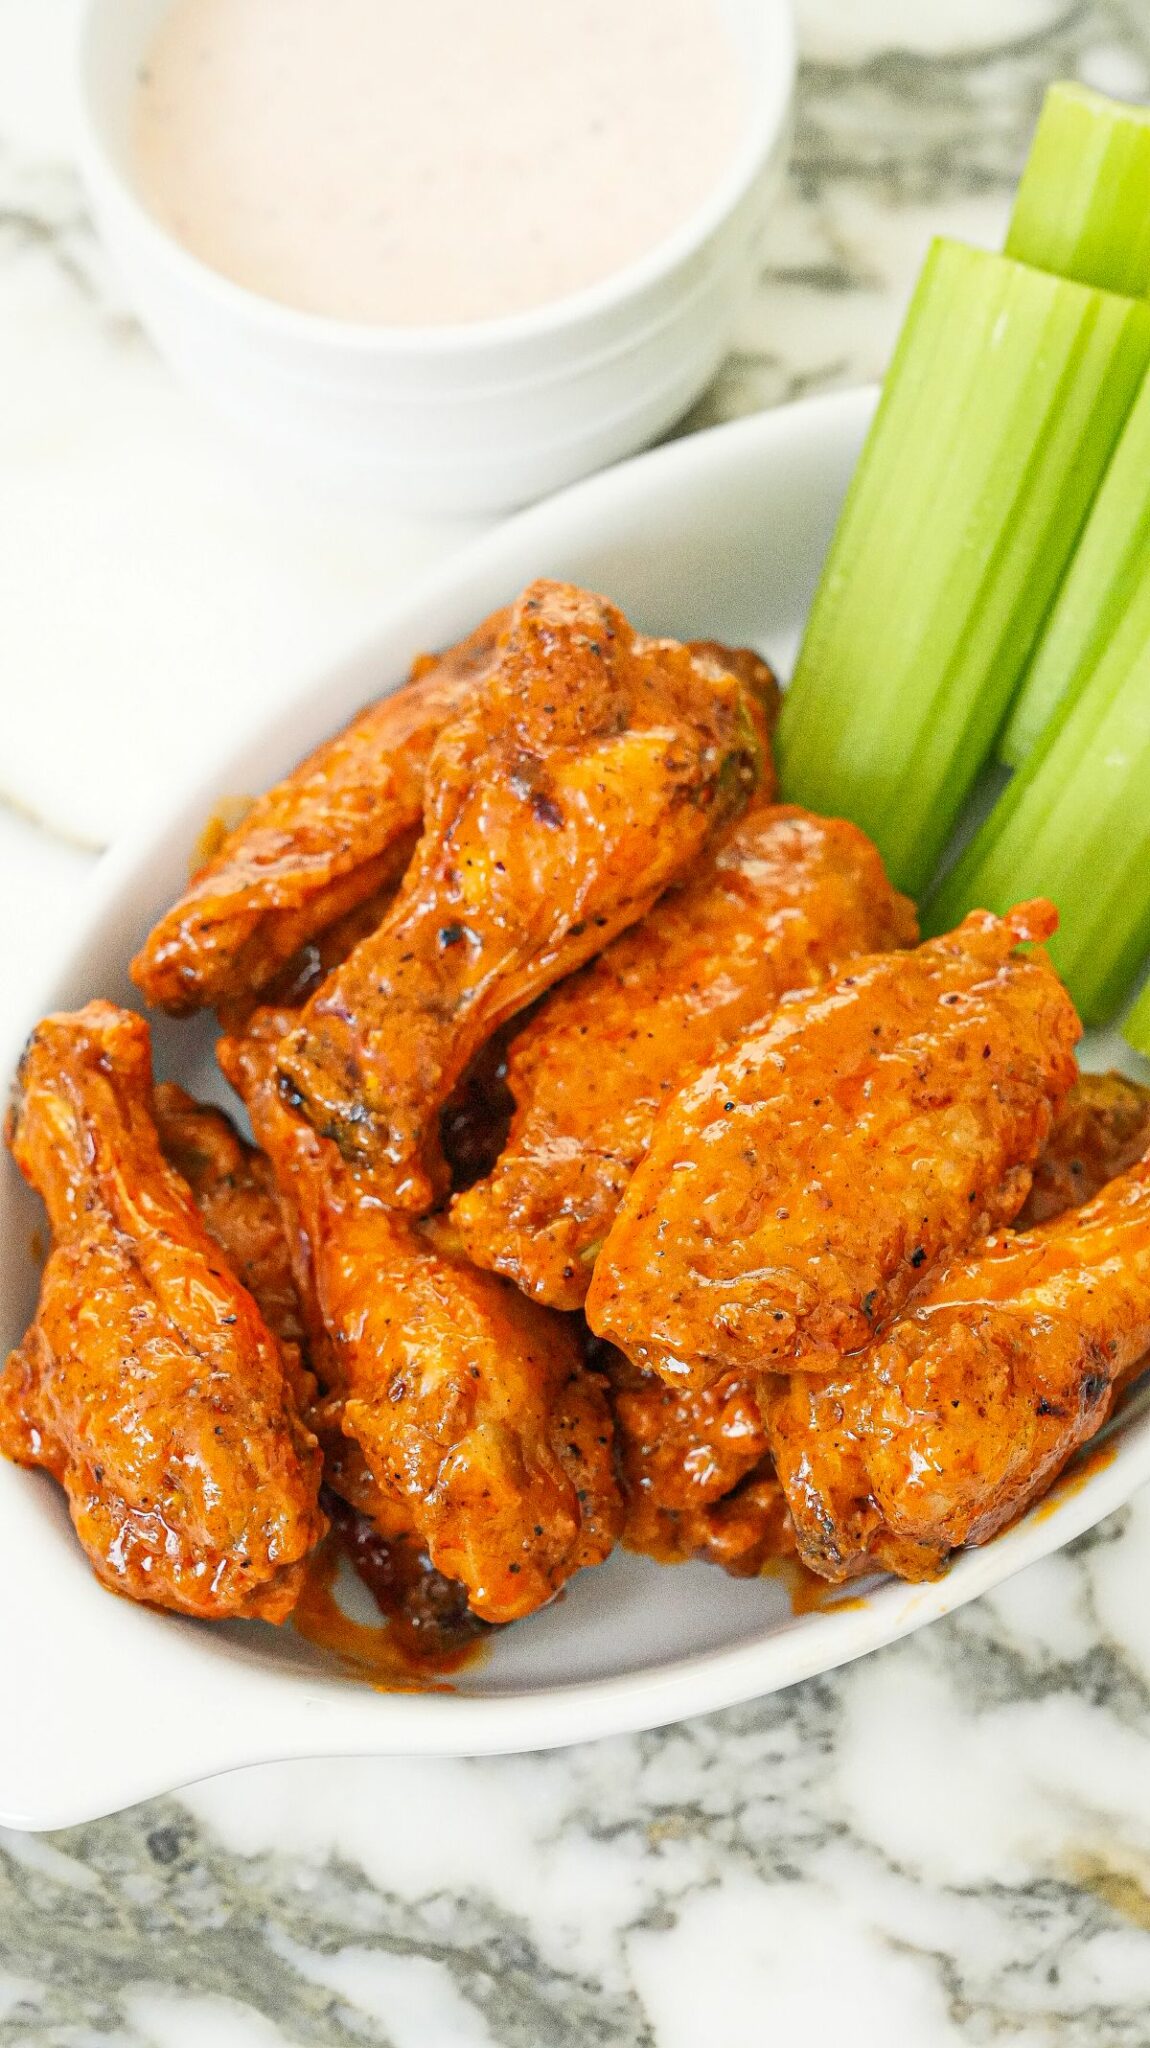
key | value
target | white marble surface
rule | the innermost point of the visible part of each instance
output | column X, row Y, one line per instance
column 946, row 1844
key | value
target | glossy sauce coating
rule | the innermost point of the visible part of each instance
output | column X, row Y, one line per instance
column 795, row 1192
column 974, row 1399
column 235, row 1193
column 472, row 1420
column 748, row 1533
column 780, row 898
column 335, row 831
column 698, row 1479
column 682, row 1454
column 149, row 1384
column 1101, row 1129
column 426, row 1632
column 584, row 780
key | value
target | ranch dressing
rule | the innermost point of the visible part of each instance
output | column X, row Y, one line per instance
column 432, row 161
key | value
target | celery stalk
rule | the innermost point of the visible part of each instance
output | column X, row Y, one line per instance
column 1004, row 399
column 1074, row 825
column 1082, row 209
column 1136, row 1030
column 1103, row 578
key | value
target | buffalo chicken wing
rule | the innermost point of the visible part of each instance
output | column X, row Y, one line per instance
column 780, row 899
column 336, row 830
column 235, row 1193
column 973, row 1400
column 796, row 1191
column 466, row 1411
column 149, row 1384
column 698, row 1480
column 585, row 779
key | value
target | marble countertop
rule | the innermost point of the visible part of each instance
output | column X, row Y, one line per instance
column 948, row 1843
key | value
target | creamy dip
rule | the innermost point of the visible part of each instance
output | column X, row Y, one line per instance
column 410, row 161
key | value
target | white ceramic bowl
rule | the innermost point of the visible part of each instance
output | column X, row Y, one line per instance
column 474, row 418
column 718, row 535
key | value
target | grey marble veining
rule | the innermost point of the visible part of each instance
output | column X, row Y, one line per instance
column 946, row 1844
column 239, row 1928
column 41, row 208
column 810, row 1819
column 890, row 148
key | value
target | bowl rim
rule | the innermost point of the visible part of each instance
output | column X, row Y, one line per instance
column 248, row 1710
column 772, row 87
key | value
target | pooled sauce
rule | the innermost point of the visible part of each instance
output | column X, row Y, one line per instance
column 1074, row 1476
column 808, row 1593
column 447, row 161
column 425, row 1633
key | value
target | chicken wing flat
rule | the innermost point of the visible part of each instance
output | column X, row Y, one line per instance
column 235, row 1193
column 972, row 1402
column 795, row 1191
column 466, row 1408
column 697, row 1478
column 586, row 778
column 149, row 1384
column 1101, row 1129
column 337, row 829
column 782, row 897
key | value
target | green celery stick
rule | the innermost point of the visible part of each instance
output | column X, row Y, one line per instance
column 1082, row 209
column 1103, row 578
column 1074, row 825
column 1003, row 402
column 1136, row 1030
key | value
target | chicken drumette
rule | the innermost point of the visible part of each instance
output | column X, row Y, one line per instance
column 149, row 1384
column 585, row 779
column 973, row 1400
column 780, row 899
column 235, row 1193
column 336, row 830
column 795, row 1192
column 452, row 1407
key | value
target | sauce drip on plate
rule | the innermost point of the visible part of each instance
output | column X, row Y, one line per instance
column 425, row 1633
column 451, row 161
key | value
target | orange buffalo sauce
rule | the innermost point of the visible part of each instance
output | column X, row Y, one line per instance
column 1074, row 1476
column 425, row 1633
column 808, row 1594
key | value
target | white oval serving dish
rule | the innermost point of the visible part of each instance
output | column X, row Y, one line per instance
column 721, row 536
column 474, row 418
